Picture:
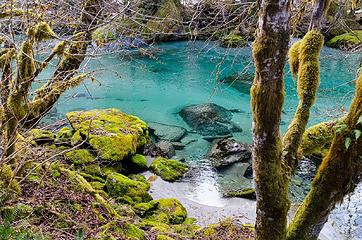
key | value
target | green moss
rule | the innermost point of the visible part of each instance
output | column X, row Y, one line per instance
column 168, row 211
column 40, row 136
column 125, row 229
column 168, row 169
column 317, row 139
column 112, row 134
column 346, row 40
column 119, row 185
column 142, row 209
column 294, row 58
column 133, row 232
column 97, row 185
column 9, row 186
column 16, row 212
column 248, row 193
column 80, row 156
column 138, row 163
column 233, row 41
column 76, row 139
column 63, row 136
column 163, row 237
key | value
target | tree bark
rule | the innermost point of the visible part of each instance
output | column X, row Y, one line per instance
column 269, row 52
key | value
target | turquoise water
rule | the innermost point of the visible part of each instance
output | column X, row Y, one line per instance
column 182, row 73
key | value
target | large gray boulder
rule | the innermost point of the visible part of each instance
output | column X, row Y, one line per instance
column 225, row 152
column 209, row 119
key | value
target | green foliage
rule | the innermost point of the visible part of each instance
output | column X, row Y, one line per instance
column 40, row 136
column 7, row 232
column 168, row 169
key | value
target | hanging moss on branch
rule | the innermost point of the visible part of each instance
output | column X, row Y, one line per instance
column 303, row 55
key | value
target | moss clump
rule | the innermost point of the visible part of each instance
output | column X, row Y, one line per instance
column 112, row 134
column 346, row 40
column 233, row 41
column 80, row 156
column 317, row 139
column 16, row 212
column 119, row 186
column 138, row 163
column 163, row 237
column 63, row 136
column 76, row 139
column 248, row 193
column 39, row 136
column 169, row 211
column 120, row 230
column 294, row 58
column 9, row 187
column 168, row 169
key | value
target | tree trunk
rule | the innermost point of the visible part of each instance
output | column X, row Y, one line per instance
column 269, row 52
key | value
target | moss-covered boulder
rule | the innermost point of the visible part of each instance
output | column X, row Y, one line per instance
column 138, row 163
column 113, row 134
column 169, row 211
column 39, row 136
column 168, row 169
column 127, row 190
column 80, row 156
column 346, row 40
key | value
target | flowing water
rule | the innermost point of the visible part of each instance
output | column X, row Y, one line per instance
column 177, row 74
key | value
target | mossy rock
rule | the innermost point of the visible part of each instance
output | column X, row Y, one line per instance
column 248, row 193
column 168, row 169
column 169, row 211
column 114, row 230
column 80, row 156
column 233, row 41
column 346, row 40
column 64, row 136
column 138, row 163
column 122, row 187
column 39, row 136
column 113, row 134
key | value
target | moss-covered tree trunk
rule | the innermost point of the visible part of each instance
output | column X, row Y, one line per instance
column 269, row 51
column 337, row 176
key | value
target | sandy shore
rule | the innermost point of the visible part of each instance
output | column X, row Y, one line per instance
column 204, row 202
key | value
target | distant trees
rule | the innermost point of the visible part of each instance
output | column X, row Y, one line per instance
column 275, row 157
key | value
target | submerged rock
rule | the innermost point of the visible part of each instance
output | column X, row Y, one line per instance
column 208, row 119
column 167, row 148
column 228, row 151
column 167, row 132
column 240, row 81
column 113, row 134
column 168, row 169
